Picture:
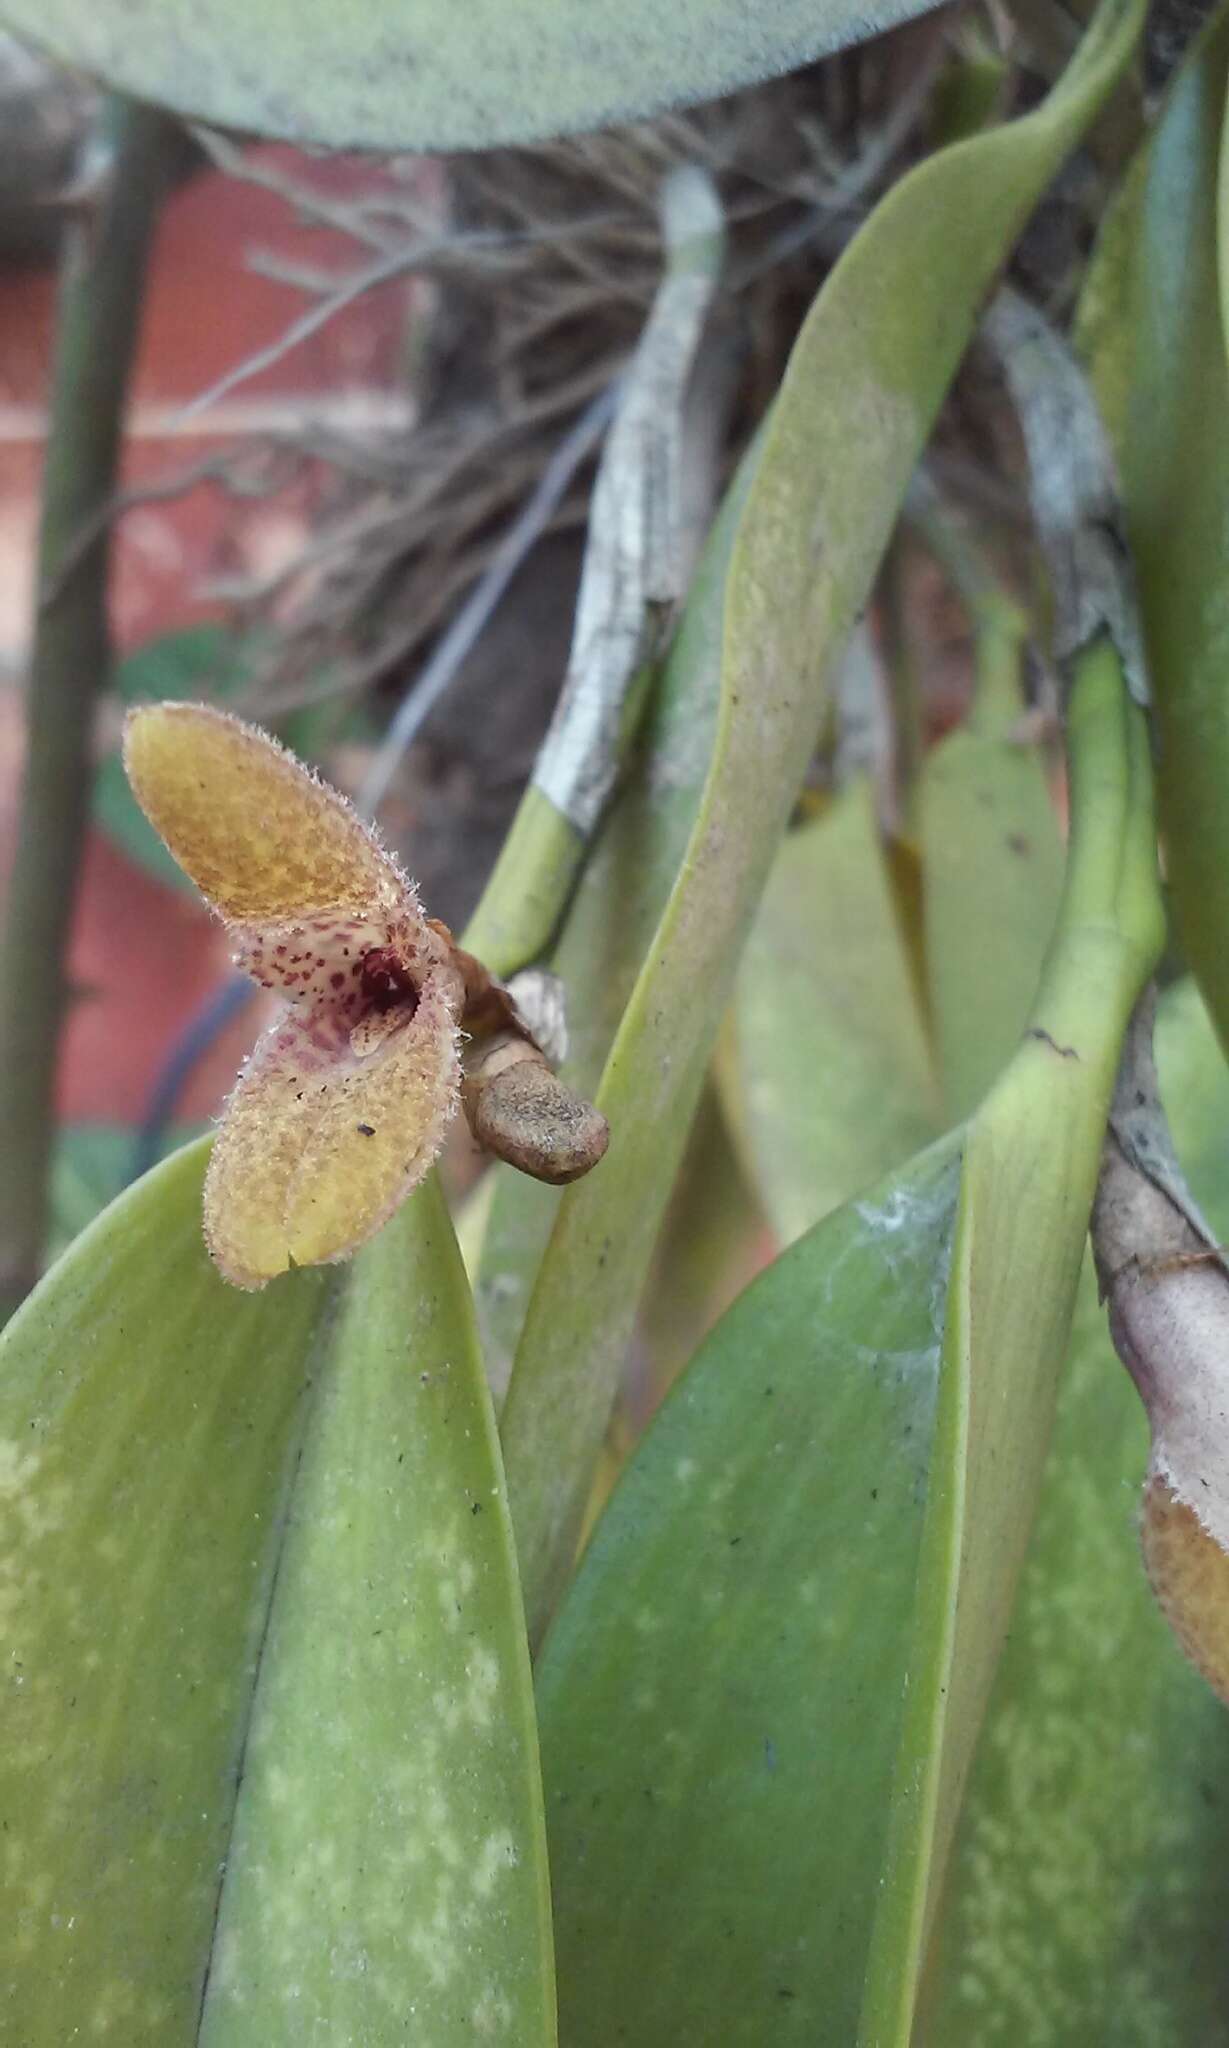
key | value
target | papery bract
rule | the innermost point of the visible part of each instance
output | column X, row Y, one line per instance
column 1166, row 1285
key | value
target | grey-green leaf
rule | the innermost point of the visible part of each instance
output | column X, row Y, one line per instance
column 150, row 1417
column 396, row 74
column 266, row 1733
column 826, row 1071
column 1090, row 1886
column 720, row 1695
column 1154, row 328
column 387, row 1875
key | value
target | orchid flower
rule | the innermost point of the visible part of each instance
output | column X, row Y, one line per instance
column 342, row 1106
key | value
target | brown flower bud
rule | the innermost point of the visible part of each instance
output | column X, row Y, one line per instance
column 523, row 1113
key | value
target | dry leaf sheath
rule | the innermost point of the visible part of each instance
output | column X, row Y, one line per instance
column 342, row 1106
column 1167, row 1289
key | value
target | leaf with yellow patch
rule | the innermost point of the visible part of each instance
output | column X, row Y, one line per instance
column 1090, row 1885
column 267, row 1753
column 387, row 1868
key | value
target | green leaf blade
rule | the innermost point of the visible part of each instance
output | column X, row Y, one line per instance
column 826, row 1069
column 1153, row 323
column 260, row 1618
column 1090, row 1881
column 720, row 1694
column 1030, row 1169
column 150, row 1417
column 420, row 74
column 886, row 332
column 387, row 1873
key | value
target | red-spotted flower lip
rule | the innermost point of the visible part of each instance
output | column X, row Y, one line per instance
column 386, row 980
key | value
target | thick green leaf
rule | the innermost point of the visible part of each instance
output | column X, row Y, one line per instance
column 200, row 662
column 1090, row 1886
column 721, row 1693
column 1154, row 326
column 826, row 1069
column 387, row 1873
column 866, row 377
column 1030, row 1169
column 261, row 1633
column 150, row 1418
column 399, row 74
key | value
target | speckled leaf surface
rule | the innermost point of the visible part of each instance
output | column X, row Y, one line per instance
column 1090, row 1885
column 400, row 74
column 387, row 1874
column 885, row 333
column 825, row 1065
column 1029, row 1171
column 1154, row 330
column 150, row 1417
column 260, row 1618
column 720, row 1695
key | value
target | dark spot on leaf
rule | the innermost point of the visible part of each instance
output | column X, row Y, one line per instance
column 1065, row 1052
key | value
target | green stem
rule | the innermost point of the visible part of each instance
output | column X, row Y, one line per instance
column 102, row 273
column 528, row 889
column 1111, row 924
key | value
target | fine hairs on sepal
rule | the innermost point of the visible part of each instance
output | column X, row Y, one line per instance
column 342, row 1106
